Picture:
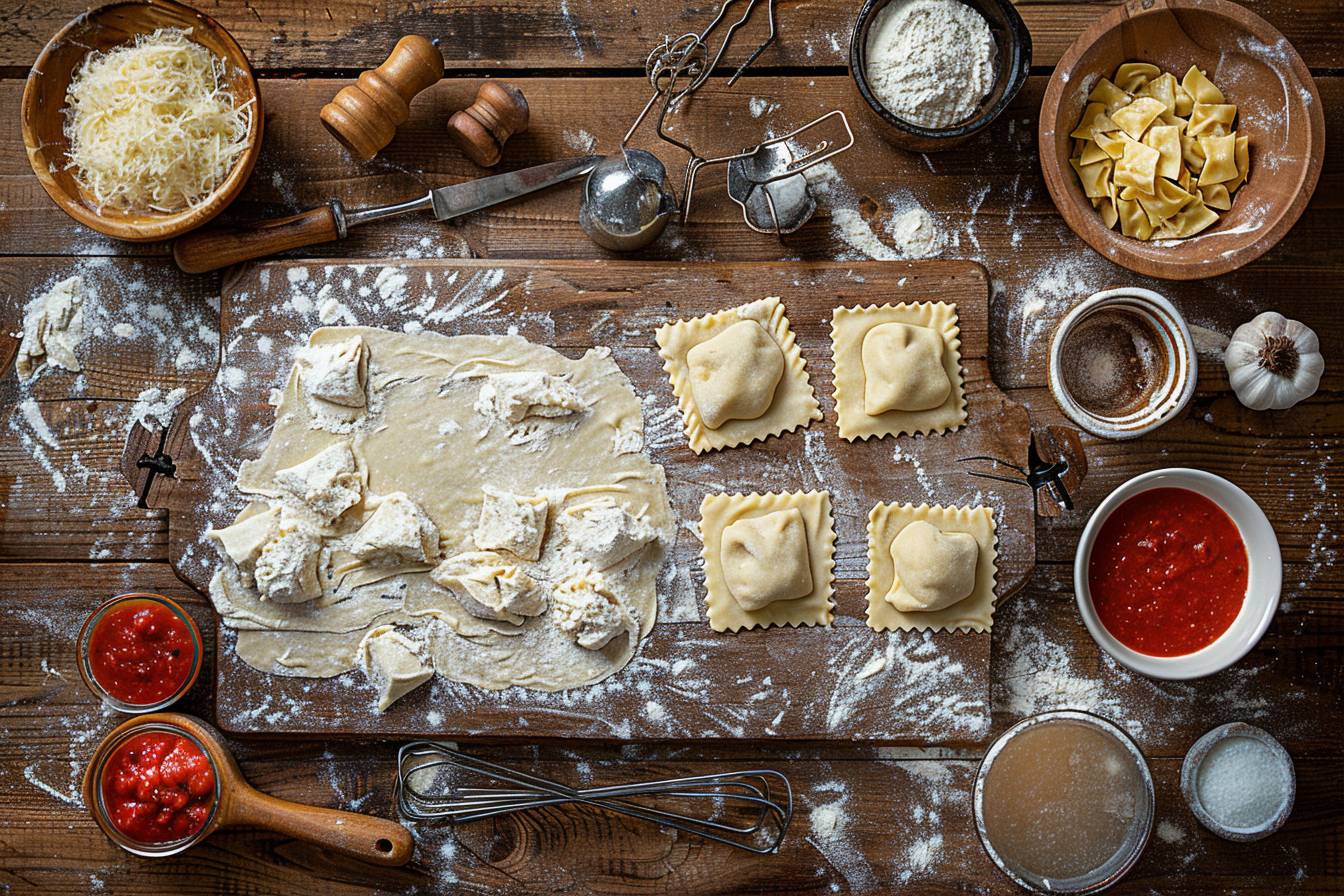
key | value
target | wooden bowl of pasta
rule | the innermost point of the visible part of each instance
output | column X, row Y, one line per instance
column 1278, row 111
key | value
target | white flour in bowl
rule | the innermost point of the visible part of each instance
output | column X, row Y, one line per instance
column 930, row 62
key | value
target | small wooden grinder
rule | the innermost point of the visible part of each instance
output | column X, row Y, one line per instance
column 480, row 131
column 365, row 115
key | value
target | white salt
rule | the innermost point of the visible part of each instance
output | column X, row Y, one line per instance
column 1243, row 783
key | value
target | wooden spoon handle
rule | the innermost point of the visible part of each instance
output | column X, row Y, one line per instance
column 374, row 840
column 215, row 248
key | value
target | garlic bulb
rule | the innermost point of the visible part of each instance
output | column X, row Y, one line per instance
column 1273, row 362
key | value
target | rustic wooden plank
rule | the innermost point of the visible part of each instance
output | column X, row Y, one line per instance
column 859, row 827
column 986, row 197
column 482, row 35
column 1289, row 684
column 1042, row 659
column 146, row 326
column 1286, row 461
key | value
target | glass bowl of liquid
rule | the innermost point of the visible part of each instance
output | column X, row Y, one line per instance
column 1064, row 803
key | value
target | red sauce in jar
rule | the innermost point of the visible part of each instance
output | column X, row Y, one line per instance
column 158, row 787
column 141, row 652
column 1168, row 572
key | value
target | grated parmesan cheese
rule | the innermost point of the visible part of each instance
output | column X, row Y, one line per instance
column 152, row 126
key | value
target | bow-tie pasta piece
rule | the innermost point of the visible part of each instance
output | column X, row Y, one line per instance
column 897, row 369
column 514, row 397
column 934, row 569
column 765, row 559
column 931, row 568
column 586, row 609
column 603, row 533
column 738, row 375
column 241, row 543
column 769, row 559
column 734, row 374
column 287, row 564
column 903, row 369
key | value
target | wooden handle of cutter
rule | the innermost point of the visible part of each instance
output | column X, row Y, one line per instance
column 365, row 115
column 219, row 247
column 374, row 840
column 482, row 129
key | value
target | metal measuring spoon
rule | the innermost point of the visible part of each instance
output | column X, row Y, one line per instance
column 626, row 201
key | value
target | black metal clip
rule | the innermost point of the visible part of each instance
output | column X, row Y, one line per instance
column 158, row 464
column 1059, row 473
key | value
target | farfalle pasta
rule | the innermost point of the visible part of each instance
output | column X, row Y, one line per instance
column 1157, row 157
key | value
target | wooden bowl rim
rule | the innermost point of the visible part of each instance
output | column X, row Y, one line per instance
column 153, row 225
column 1083, row 219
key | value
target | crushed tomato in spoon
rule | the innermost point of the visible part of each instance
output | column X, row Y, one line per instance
column 158, row 787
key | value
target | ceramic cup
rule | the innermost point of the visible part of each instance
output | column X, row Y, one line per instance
column 1175, row 365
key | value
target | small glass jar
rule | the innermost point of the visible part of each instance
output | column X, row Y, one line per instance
column 96, row 799
column 125, row 601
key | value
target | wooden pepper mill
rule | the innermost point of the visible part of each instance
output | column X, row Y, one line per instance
column 365, row 115
column 480, row 130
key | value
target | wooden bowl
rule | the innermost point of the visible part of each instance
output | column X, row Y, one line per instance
column 44, row 121
column 1255, row 67
column 1013, row 64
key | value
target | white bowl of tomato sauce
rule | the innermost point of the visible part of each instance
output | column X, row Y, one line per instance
column 1177, row 574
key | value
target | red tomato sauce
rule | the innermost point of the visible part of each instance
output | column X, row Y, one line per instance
column 158, row 787
column 1168, row 572
column 141, row 653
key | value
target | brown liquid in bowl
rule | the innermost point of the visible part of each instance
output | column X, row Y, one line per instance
column 1112, row 362
column 1062, row 799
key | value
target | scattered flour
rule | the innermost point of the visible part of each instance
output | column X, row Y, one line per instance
column 915, row 233
column 1169, row 833
column 53, row 328
column 579, row 140
column 154, row 409
column 758, row 106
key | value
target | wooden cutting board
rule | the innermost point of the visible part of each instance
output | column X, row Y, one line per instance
column 843, row 682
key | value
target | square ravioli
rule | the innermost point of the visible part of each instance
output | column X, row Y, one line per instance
column 897, row 370
column 931, row 568
column 738, row 375
column 769, row 559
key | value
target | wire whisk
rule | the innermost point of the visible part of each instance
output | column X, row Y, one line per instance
column 750, row 810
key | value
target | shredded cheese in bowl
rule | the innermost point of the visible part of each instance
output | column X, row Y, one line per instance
column 153, row 126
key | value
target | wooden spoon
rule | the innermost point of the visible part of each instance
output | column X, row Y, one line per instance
column 374, row 840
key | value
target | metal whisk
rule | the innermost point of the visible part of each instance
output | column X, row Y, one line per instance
column 750, row 809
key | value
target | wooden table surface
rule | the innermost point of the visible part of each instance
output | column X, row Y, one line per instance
column 868, row 820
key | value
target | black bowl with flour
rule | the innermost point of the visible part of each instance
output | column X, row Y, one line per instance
column 1011, row 66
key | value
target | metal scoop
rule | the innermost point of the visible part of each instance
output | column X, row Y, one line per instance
column 626, row 201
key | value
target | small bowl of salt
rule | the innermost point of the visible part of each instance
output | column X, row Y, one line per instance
column 937, row 72
column 1239, row 782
